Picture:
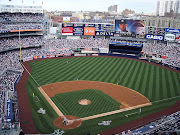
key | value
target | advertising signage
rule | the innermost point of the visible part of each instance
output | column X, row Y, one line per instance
column 67, row 25
column 108, row 27
column 77, row 25
column 78, row 30
column 172, row 30
column 154, row 37
column 89, row 31
column 67, row 30
column 177, row 39
column 104, row 33
column 9, row 111
column 135, row 27
column 89, row 25
column 66, row 19
column 170, row 37
column 98, row 27
column 156, row 30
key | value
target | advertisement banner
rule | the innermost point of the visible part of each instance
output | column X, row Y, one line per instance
column 40, row 57
column 78, row 25
column 27, row 59
column 89, row 25
column 98, row 27
column 35, row 57
column 127, row 35
column 78, row 30
column 89, row 31
column 104, row 33
column 67, row 30
column 88, row 49
column 67, row 25
column 130, row 26
column 9, row 115
column 169, row 37
column 172, row 30
column 154, row 37
column 66, row 19
column 108, row 27
column 164, row 57
column 177, row 39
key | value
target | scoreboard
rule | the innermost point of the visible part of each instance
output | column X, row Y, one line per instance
column 156, row 30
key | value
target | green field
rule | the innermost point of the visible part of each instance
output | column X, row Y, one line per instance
column 153, row 82
column 100, row 103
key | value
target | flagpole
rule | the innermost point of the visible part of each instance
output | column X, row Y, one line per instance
column 19, row 44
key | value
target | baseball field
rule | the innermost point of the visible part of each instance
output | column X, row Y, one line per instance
column 109, row 84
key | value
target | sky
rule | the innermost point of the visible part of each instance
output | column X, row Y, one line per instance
column 139, row 6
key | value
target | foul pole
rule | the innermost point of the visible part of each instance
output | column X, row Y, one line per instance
column 20, row 43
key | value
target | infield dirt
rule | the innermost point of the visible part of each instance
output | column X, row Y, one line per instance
column 129, row 98
column 126, row 96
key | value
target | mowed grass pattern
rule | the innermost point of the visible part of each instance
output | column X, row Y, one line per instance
column 100, row 103
column 153, row 82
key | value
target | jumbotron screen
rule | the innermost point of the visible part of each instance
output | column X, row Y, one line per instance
column 136, row 27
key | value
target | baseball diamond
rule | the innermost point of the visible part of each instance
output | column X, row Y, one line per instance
column 136, row 85
column 122, row 94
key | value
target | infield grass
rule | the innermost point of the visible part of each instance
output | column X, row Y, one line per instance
column 100, row 103
column 153, row 82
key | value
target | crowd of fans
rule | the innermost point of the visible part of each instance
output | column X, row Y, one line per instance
column 13, row 42
column 22, row 26
column 165, row 125
column 10, row 60
column 21, row 17
column 10, row 67
column 7, row 80
column 76, row 43
column 2, row 107
column 172, row 52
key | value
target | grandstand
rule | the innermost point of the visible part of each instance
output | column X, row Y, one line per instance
column 169, row 124
column 30, row 26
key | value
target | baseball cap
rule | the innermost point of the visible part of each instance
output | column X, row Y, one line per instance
column 122, row 21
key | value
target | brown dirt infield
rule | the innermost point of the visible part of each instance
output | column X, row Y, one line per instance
column 129, row 98
column 126, row 96
column 58, row 122
column 84, row 102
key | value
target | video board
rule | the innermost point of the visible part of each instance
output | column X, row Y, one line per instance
column 128, row 26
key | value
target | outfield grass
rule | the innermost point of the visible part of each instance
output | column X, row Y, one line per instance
column 100, row 103
column 153, row 82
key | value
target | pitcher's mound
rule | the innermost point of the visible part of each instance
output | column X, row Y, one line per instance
column 72, row 122
column 84, row 102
